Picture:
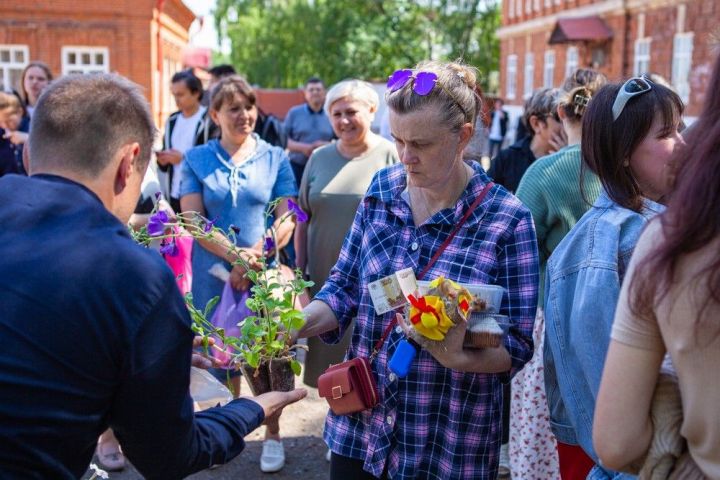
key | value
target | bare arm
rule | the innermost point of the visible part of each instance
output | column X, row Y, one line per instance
column 319, row 319
column 218, row 244
column 295, row 146
column 284, row 226
column 301, row 246
column 622, row 429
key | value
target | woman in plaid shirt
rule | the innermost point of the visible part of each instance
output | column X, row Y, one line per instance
column 443, row 420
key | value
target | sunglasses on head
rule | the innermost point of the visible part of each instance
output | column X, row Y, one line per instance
column 632, row 88
column 422, row 83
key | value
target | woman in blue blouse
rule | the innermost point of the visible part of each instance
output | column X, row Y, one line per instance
column 443, row 420
column 231, row 181
column 629, row 133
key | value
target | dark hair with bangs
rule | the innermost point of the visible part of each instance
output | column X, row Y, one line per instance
column 692, row 219
column 607, row 144
column 227, row 88
column 192, row 82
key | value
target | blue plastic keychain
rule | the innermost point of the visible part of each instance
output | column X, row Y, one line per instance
column 403, row 357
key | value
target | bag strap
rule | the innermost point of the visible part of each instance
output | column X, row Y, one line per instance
column 432, row 261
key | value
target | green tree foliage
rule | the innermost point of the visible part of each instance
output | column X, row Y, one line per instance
column 280, row 43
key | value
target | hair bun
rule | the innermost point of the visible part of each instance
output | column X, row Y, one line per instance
column 466, row 73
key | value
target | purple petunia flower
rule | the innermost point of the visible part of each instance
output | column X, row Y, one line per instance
column 209, row 225
column 269, row 244
column 156, row 224
column 169, row 248
column 300, row 215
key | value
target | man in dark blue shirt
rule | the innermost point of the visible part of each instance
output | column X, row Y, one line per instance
column 94, row 330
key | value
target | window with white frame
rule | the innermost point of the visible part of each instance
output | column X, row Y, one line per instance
column 549, row 69
column 85, row 60
column 528, row 6
column 529, row 75
column 572, row 59
column 13, row 59
column 681, row 64
column 536, row 5
column 511, row 80
column 511, row 9
column 518, row 7
column 641, row 63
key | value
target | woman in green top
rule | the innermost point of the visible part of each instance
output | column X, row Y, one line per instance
column 335, row 180
column 557, row 194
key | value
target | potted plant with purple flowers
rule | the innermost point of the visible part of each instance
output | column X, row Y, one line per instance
column 262, row 349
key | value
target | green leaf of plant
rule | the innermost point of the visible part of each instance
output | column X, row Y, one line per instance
column 295, row 365
column 210, row 305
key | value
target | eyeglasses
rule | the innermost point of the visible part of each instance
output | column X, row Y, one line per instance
column 423, row 84
column 632, row 88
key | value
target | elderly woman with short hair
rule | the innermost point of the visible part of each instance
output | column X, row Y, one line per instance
column 335, row 180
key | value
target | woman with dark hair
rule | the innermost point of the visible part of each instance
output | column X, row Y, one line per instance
column 670, row 303
column 183, row 130
column 629, row 134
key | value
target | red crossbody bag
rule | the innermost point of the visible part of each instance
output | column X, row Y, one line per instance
column 350, row 387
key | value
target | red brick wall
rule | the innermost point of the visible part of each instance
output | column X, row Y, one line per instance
column 123, row 26
column 702, row 18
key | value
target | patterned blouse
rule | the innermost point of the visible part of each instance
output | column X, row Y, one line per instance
column 436, row 422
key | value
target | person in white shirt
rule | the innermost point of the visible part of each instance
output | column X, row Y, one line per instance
column 498, row 128
column 183, row 130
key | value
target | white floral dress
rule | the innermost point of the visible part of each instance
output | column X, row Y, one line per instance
column 533, row 448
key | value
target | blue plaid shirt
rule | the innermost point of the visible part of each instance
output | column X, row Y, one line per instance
column 436, row 422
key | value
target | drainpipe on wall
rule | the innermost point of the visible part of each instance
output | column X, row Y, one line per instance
column 159, row 59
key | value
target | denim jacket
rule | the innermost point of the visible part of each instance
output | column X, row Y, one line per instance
column 583, row 280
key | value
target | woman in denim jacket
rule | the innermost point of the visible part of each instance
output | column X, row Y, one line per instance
column 629, row 134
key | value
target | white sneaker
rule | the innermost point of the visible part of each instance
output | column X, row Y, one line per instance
column 328, row 455
column 273, row 456
column 504, row 467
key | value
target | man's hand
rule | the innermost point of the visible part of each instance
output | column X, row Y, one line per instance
column 200, row 360
column 169, row 157
column 272, row 403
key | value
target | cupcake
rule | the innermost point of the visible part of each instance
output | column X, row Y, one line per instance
column 483, row 332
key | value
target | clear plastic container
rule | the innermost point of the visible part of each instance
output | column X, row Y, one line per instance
column 491, row 294
column 487, row 323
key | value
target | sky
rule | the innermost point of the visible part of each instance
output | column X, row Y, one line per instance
column 208, row 35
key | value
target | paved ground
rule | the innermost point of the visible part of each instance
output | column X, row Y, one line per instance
column 301, row 428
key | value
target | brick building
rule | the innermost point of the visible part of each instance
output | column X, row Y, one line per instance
column 542, row 40
column 143, row 40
